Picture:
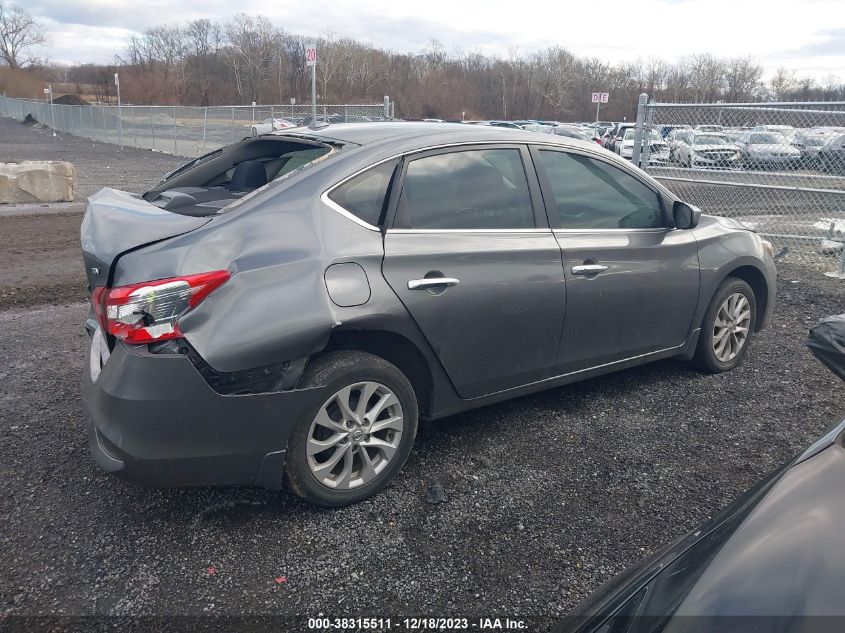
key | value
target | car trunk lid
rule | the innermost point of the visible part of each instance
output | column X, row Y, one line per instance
column 117, row 221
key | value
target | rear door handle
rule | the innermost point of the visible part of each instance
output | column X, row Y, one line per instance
column 432, row 282
column 588, row 269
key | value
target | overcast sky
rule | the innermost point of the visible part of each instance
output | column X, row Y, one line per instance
column 807, row 36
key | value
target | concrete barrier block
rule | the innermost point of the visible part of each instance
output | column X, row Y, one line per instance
column 37, row 181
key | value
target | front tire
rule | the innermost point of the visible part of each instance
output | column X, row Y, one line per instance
column 358, row 432
column 727, row 327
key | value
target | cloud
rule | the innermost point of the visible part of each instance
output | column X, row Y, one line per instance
column 774, row 32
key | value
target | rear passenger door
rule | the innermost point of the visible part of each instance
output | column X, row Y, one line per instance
column 472, row 258
column 631, row 281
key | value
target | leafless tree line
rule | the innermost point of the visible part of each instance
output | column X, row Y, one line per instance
column 247, row 59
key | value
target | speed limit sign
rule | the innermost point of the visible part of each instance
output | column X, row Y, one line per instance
column 311, row 55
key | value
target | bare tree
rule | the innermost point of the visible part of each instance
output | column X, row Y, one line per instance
column 19, row 32
column 783, row 82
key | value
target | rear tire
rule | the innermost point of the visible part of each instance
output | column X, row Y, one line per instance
column 366, row 445
column 727, row 327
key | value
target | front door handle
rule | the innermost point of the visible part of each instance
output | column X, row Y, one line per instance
column 432, row 282
column 588, row 269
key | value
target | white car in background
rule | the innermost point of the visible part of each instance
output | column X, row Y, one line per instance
column 270, row 125
column 658, row 149
column 707, row 150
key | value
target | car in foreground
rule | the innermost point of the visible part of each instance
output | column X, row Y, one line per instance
column 771, row 561
column 285, row 309
column 707, row 150
column 270, row 125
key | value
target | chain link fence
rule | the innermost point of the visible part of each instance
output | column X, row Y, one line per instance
column 181, row 130
column 777, row 167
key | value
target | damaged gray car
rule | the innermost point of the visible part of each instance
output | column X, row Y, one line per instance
column 284, row 310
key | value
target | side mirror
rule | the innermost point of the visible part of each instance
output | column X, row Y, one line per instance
column 685, row 215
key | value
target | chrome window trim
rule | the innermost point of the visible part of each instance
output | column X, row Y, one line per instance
column 534, row 230
column 324, row 197
column 657, row 229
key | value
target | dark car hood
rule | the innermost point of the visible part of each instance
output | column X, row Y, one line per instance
column 788, row 557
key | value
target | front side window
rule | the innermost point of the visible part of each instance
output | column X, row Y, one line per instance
column 466, row 190
column 592, row 194
column 365, row 195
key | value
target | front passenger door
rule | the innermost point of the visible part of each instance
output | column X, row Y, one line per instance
column 631, row 282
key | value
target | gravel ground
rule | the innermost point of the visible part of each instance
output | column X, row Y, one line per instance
column 548, row 495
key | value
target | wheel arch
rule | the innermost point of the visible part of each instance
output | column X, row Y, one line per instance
column 755, row 278
column 395, row 349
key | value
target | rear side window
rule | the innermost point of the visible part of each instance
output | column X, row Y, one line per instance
column 365, row 195
column 593, row 194
column 473, row 189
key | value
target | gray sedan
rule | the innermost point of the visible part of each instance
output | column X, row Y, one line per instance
column 285, row 309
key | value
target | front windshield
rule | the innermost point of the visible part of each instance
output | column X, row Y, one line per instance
column 710, row 139
column 769, row 138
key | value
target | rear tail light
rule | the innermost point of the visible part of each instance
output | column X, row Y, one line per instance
column 149, row 311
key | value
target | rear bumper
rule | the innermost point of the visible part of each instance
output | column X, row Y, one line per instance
column 152, row 418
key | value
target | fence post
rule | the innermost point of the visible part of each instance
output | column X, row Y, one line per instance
column 204, row 127
column 386, row 107
column 638, row 135
column 175, row 148
column 152, row 128
column 134, row 127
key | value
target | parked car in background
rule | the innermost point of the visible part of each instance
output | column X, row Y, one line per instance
column 709, row 128
column 665, row 130
column 677, row 137
column 569, row 130
column 809, row 143
column 658, row 149
column 507, row 124
column 705, row 149
column 771, row 561
column 615, row 135
column 787, row 131
column 766, row 149
column 270, row 125
column 832, row 155
column 284, row 309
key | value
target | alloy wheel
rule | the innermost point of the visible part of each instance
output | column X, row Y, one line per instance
column 730, row 331
column 354, row 435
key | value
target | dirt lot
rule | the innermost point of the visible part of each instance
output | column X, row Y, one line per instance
column 40, row 243
column 548, row 495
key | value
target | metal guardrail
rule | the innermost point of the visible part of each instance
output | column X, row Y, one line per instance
column 777, row 167
column 179, row 130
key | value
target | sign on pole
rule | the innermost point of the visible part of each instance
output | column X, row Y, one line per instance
column 598, row 98
column 311, row 60
column 310, row 54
